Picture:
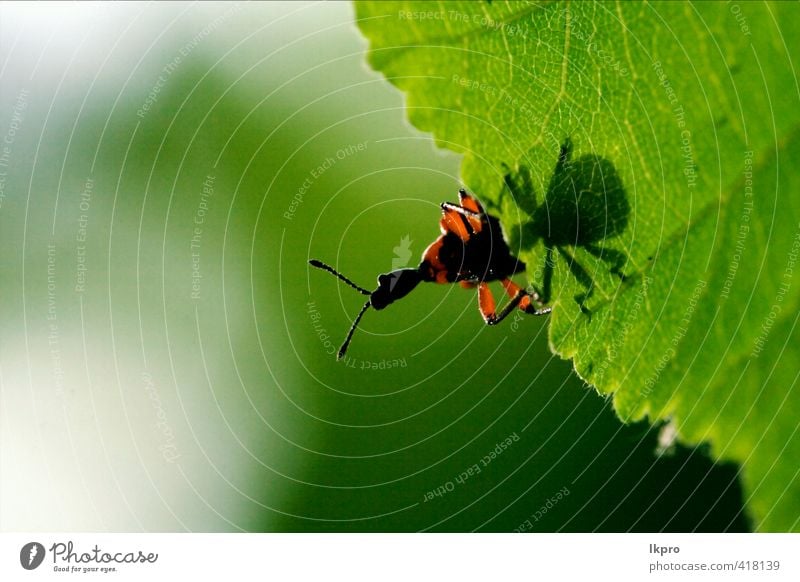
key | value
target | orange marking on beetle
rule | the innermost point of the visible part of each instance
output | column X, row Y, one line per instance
column 511, row 287
column 486, row 301
column 431, row 255
column 513, row 290
column 452, row 222
column 469, row 202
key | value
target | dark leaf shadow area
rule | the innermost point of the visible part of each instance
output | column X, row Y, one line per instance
column 585, row 206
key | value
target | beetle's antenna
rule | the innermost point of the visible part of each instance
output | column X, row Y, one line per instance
column 353, row 327
column 332, row 271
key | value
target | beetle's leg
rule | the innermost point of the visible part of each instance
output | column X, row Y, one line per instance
column 462, row 220
column 456, row 222
column 523, row 299
column 487, row 305
column 469, row 202
column 461, row 210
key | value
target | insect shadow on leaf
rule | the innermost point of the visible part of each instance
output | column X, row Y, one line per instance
column 584, row 206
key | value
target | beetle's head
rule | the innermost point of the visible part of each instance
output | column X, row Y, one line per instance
column 393, row 286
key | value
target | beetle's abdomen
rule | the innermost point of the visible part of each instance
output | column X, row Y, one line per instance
column 443, row 259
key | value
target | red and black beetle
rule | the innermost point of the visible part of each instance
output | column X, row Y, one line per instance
column 471, row 251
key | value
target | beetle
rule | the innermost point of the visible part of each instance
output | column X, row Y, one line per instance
column 470, row 251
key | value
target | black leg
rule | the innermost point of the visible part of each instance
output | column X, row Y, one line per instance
column 495, row 319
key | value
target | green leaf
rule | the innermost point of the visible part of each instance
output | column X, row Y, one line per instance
column 642, row 158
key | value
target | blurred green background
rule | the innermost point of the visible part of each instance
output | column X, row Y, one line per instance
column 165, row 356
